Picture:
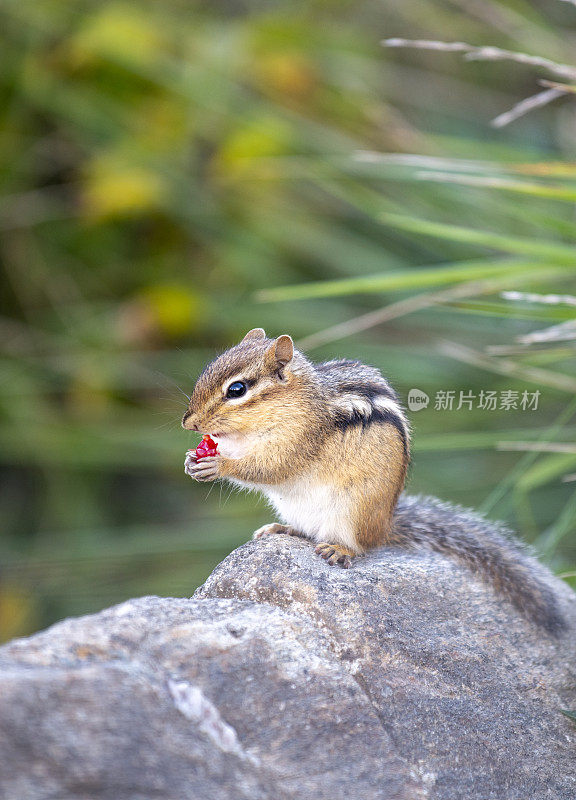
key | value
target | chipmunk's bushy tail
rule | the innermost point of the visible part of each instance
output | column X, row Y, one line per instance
column 487, row 548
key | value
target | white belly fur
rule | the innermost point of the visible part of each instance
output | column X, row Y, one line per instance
column 319, row 511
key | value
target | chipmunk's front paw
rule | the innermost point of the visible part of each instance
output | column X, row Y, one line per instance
column 334, row 554
column 274, row 527
column 206, row 469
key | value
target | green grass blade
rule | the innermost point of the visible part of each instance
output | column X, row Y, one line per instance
column 538, row 248
column 564, row 194
column 421, row 278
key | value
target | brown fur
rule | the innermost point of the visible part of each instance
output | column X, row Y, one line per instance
column 294, row 410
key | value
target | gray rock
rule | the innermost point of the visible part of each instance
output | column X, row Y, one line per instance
column 284, row 678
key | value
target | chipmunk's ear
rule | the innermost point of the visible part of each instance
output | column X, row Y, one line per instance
column 280, row 352
column 255, row 333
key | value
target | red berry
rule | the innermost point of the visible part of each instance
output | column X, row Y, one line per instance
column 207, row 447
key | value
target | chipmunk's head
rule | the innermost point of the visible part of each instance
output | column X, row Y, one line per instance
column 249, row 389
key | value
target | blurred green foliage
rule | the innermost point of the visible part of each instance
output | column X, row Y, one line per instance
column 175, row 173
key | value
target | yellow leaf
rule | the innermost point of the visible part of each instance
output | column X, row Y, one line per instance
column 114, row 187
column 175, row 309
column 262, row 138
column 17, row 617
column 287, row 73
column 118, row 32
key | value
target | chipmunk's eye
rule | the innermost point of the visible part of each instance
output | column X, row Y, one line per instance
column 236, row 389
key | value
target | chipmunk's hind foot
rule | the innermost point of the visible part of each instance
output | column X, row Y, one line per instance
column 275, row 527
column 334, row 554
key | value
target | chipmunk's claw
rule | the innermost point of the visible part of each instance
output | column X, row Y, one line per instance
column 190, row 462
column 206, row 469
column 334, row 554
column 274, row 527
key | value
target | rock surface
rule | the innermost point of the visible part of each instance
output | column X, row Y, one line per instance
column 284, row 678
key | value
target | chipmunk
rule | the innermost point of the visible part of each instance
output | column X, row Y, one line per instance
column 329, row 445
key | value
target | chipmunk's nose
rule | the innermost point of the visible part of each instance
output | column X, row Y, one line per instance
column 188, row 422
